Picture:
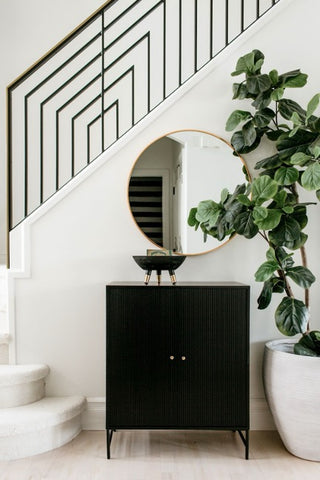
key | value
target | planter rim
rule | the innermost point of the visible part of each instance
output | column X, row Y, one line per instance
column 281, row 346
column 284, row 346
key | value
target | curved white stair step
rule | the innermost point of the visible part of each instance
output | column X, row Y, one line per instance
column 21, row 384
column 40, row 426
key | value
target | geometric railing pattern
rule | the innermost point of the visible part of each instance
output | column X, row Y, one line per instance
column 104, row 78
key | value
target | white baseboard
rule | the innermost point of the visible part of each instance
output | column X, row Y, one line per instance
column 260, row 416
column 93, row 418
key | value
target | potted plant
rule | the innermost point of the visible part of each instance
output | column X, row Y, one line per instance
column 269, row 206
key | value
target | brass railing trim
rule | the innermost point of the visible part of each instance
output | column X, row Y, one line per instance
column 56, row 46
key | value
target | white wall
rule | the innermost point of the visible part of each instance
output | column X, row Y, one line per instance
column 88, row 239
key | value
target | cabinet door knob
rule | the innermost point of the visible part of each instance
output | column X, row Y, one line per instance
column 171, row 357
column 183, row 357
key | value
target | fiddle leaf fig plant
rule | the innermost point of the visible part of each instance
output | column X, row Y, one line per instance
column 269, row 205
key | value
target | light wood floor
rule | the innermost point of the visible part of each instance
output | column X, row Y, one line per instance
column 165, row 455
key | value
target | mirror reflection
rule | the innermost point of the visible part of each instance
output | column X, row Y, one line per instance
column 171, row 176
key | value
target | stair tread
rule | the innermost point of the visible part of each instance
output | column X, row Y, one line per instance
column 14, row 374
column 39, row 415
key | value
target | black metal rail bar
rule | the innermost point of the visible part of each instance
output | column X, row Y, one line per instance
column 227, row 23
column 46, row 90
column 102, row 82
column 195, row 36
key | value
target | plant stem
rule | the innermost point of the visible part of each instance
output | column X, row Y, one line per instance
column 287, row 286
column 303, row 258
column 276, row 117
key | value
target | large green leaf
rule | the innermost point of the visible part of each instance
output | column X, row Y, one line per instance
column 296, row 129
column 269, row 162
column 303, row 139
column 291, row 316
column 192, row 221
column 249, row 133
column 298, row 243
column 263, row 117
column 238, row 143
column 244, row 200
column 271, row 255
column 239, row 91
column 235, row 118
column 300, row 158
column 240, row 189
column 313, row 105
column 262, row 100
column 292, row 76
column 300, row 215
column 286, row 233
column 298, row 137
column 314, row 148
column 266, row 218
column 266, row 271
column 244, row 224
column 273, row 135
column 280, row 198
column 287, row 107
column 274, row 77
column 309, row 344
column 263, row 188
column 208, row 211
column 296, row 120
column 245, row 64
column 302, row 276
column 277, row 94
column 260, row 213
column 265, row 296
column 278, row 285
column 314, row 124
column 249, row 63
column 295, row 82
column 224, row 195
column 273, row 285
column 258, row 84
column 310, row 178
column 231, row 213
column 286, row 175
column 284, row 258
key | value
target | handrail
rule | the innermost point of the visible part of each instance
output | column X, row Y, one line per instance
column 58, row 45
column 101, row 80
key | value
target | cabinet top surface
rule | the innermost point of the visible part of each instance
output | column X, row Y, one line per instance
column 180, row 284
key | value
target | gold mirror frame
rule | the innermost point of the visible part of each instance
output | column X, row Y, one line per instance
column 205, row 138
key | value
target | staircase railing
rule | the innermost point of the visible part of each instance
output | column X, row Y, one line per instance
column 103, row 79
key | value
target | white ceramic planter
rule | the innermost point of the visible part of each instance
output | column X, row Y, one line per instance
column 292, row 387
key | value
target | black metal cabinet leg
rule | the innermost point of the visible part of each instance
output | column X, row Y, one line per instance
column 108, row 443
column 109, row 434
column 245, row 440
column 247, row 444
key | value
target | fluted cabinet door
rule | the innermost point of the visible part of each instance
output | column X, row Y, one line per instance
column 213, row 338
column 139, row 347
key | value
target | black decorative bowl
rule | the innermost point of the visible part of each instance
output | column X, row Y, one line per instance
column 159, row 263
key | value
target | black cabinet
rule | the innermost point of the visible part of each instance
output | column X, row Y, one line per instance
column 177, row 357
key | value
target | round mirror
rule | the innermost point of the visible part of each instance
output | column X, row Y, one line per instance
column 172, row 175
